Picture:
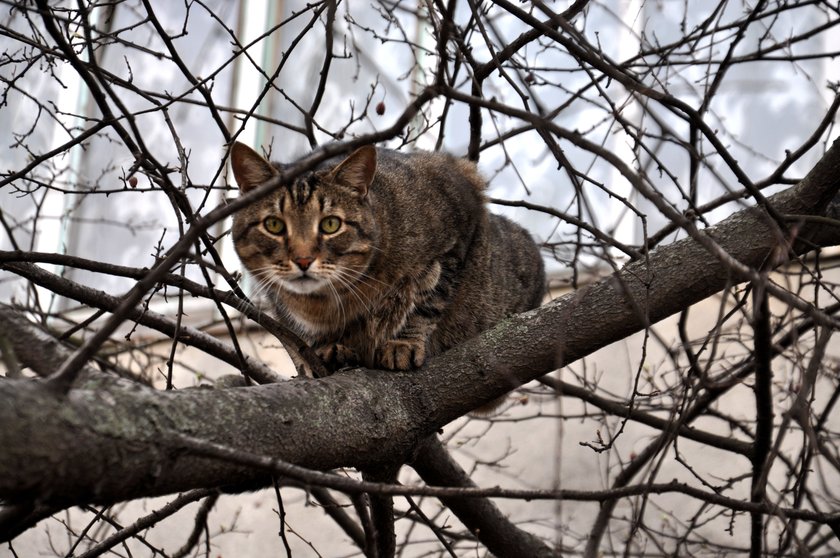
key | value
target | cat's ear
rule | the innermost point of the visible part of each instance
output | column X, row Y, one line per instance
column 358, row 169
column 250, row 169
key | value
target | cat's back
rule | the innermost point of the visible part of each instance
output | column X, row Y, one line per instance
column 424, row 178
column 432, row 169
column 428, row 203
column 439, row 199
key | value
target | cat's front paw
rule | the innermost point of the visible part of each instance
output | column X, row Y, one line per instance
column 402, row 354
column 336, row 355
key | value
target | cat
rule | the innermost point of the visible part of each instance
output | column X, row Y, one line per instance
column 383, row 258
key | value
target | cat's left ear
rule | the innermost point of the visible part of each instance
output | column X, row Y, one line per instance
column 357, row 170
column 250, row 169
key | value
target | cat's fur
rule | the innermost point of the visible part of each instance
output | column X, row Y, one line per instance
column 416, row 265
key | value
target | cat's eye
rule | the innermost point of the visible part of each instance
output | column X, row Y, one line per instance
column 330, row 224
column 274, row 225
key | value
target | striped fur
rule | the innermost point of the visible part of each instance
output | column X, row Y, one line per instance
column 417, row 264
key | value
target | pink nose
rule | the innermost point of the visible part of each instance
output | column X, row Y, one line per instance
column 304, row 262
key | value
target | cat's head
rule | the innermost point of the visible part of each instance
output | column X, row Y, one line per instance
column 315, row 234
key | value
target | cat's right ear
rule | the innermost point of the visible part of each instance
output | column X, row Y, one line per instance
column 357, row 170
column 250, row 169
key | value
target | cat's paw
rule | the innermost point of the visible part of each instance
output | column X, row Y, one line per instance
column 402, row 354
column 336, row 355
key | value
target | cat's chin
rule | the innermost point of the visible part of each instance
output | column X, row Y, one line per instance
column 304, row 285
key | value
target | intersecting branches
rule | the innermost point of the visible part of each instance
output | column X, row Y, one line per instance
column 610, row 133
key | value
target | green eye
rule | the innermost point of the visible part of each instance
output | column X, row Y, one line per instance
column 274, row 225
column 330, row 224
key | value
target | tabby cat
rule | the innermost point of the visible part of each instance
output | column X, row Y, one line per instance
column 384, row 258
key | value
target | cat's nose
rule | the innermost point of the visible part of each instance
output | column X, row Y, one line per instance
column 304, row 262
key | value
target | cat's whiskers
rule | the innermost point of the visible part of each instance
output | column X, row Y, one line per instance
column 363, row 277
column 340, row 305
column 265, row 283
column 344, row 277
column 337, row 276
column 260, row 277
column 260, row 294
column 265, row 278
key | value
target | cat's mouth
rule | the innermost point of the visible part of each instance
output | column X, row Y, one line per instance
column 304, row 283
